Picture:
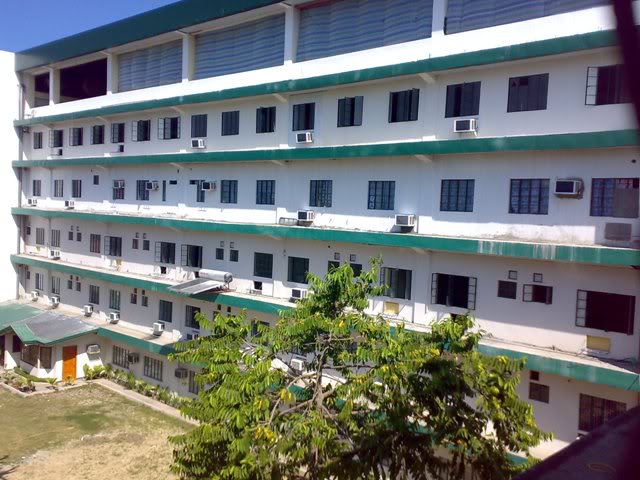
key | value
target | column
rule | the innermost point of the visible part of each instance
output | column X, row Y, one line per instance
column 54, row 86
column 291, row 22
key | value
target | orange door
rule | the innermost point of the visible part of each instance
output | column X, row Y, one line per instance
column 69, row 362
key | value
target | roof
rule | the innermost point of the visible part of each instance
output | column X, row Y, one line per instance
column 138, row 27
column 11, row 312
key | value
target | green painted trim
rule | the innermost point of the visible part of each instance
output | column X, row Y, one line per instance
column 145, row 25
column 136, row 342
column 556, row 141
column 596, row 255
column 539, row 48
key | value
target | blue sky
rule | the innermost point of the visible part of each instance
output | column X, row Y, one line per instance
column 26, row 23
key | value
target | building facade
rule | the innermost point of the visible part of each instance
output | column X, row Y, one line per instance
column 487, row 154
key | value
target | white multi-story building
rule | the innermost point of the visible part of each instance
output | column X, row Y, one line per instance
column 488, row 154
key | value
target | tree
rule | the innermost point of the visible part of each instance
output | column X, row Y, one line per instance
column 372, row 402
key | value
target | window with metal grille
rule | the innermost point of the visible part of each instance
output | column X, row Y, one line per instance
column 537, row 294
column 611, row 312
column 298, row 269
column 165, row 311
column 165, row 253
column 76, row 188
column 304, row 116
column 56, row 138
column 134, row 243
column 199, row 125
column 141, row 130
column 381, row 195
column 146, row 244
column 113, row 246
column 606, row 85
column 117, row 132
column 199, row 191
column 39, row 236
column 265, row 192
column 320, row 193
column 266, row 120
column 507, row 289
column 142, row 194
column 114, row 299
column 457, row 195
column 70, row 282
column 614, row 197
column 94, row 294
column 219, row 253
column 191, row 256
column 120, row 357
column 229, row 191
column 144, row 299
column 96, row 179
column 37, row 140
column 152, row 368
column 234, row 255
column 404, row 106
column 454, row 290
column 168, row 128
column 75, row 136
column 55, row 285
column 463, row 100
column 97, row 134
column 596, row 411
column 263, row 265
column 58, row 188
column 231, row 123
column 190, row 317
column 118, row 189
column 36, row 188
column 133, row 297
column 528, row 93
column 70, row 235
column 350, row 111
column 194, row 388
column 78, row 235
column 55, row 238
column 39, row 281
column 397, row 282
column 538, row 392
column 529, row 196
column 78, row 284
column 94, row 243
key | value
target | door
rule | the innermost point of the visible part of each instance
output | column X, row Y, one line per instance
column 69, row 362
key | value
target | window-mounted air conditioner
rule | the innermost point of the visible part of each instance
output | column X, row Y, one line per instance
column 153, row 185
column 54, row 301
column 114, row 317
column 254, row 291
column 54, row 254
column 87, row 310
column 158, row 328
column 466, row 125
column 297, row 364
column 405, row 220
column 208, row 186
column 133, row 357
column 32, row 202
column 69, row 204
column 35, row 295
column 198, row 143
column 304, row 137
column 181, row 373
column 567, row 188
column 118, row 184
column 93, row 349
column 306, row 216
column 297, row 294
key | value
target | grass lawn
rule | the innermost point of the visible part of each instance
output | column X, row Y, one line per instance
column 86, row 432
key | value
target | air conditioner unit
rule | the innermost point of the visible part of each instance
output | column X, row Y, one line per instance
column 56, row 152
column 568, row 188
column 617, row 231
column 306, row 216
column 35, row 295
column 158, row 328
column 54, row 301
column 69, row 204
column 118, row 184
column 87, row 310
column 297, row 364
column 208, row 186
column 254, row 291
column 32, row 202
column 181, row 373
column 405, row 220
column 93, row 349
column 152, row 185
column 119, row 149
column 133, row 358
column 198, row 143
column 298, row 293
column 54, row 254
column 304, row 137
column 114, row 317
column 466, row 125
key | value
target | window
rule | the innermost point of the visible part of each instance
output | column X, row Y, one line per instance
column 113, row 246
column 199, row 126
column 537, row 294
column 595, row 411
column 403, row 106
column 141, row 130
column 78, row 235
column 457, row 195
column 606, row 85
column 219, row 253
column 265, row 192
column 134, row 243
column 229, row 191
column 454, row 290
column 70, row 235
column 117, row 132
column 152, row 368
column 381, row 195
column 16, row 344
column 70, row 282
column 29, row 354
column 231, row 123
column 146, row 245
column 114, row 299
column 55, row 238
column 142, row 193
column 191, row 256
column 37, row 140
column 133, row 297
column 320, row 192
column 298, row 269
column 350, row 111
column 94, row 294
column 120, row 357
column 55, row 285
column 614, row 197
column 168, row 128
column 97, row 135
column 611, row 312
column 266, row 120
column 397, row 282
column 529, row 196
column 118, row 189
column 304, row 116
column 75, row 136
column 76, row 188
column 528, row 93
column 194, row 388
column 538, row 392
column 165, row 313
column 165, row 253
column 507, row 289
column 144, row 300
column 463, row 100
column 96, row 179
column 36, row 188
column 263, row 265
column 39, row 281
column 39, row 236
column 56, row 138
column 58, row 188
column 94, row 243
column 199, row 190
column 190, row 317
column 78, row 284
column 233, row 255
